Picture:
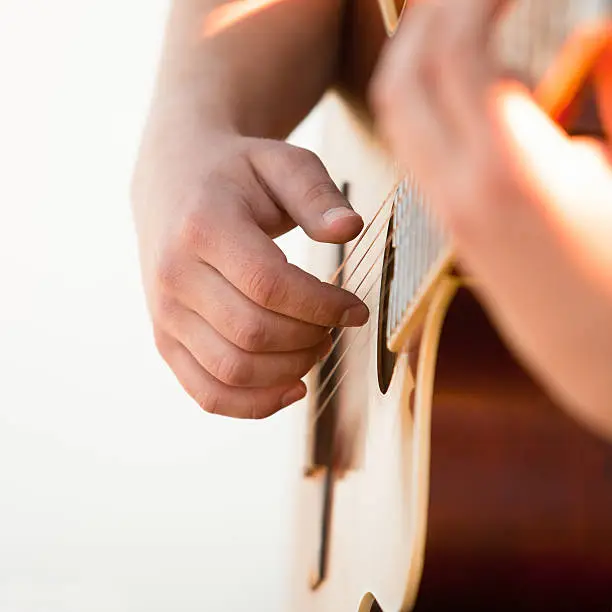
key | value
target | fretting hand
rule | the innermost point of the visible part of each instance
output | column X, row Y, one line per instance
column 529, row 209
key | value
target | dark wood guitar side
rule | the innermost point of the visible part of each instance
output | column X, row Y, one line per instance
column 520, row 514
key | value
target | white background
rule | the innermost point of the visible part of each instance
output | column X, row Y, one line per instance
column 116, row 492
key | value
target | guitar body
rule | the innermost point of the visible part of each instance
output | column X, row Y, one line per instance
column 370, row 433
column 437, row 476
column 520, row 512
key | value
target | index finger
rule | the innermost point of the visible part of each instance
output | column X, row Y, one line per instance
column 249, row 259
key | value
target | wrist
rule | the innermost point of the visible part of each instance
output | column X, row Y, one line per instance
column 186, row 113
column 178, row 137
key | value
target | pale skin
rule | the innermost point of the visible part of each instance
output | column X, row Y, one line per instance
column 215, row 183
column 529, row 208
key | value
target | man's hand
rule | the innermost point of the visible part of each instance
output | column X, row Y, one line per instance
column 238, row 325
column 529, row 209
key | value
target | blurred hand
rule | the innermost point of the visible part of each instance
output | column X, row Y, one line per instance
column 237, row 323
column 529, row 209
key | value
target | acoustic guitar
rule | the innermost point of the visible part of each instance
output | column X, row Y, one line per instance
column 437, row 474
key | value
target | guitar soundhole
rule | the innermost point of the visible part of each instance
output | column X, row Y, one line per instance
column 385, row 358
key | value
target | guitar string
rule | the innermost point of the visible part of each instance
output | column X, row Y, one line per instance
column 342, row 331
column 372, row 243
column 341, row 267
column 370, row 246
column 335, row 388
column 324, row 384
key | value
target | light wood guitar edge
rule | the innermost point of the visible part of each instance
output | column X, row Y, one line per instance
column 423, row 396
column 390, row 16
column 442, row 294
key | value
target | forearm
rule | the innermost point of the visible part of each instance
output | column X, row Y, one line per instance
column 254, row 67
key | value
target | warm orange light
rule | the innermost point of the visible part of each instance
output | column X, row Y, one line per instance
column 232, row 13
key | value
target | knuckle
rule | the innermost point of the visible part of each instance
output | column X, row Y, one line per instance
column 310, row 173
column 384, row 93
column 207, row 400
column 425, row 71
column 319, row 189
column 390, row 84
column 169, row 272
column 164, row 309
column 265, row 286
column 163, row 343
column 430, row 48
column 298, row 157
column 232, row 369
column 194, row 231
column 259, row 411
column 251, row 335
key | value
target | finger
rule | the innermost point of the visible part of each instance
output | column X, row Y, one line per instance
column 468, row 67
column 240, row 320
column 247, row 257
column 215, row 397
column 431, row 95
column 298, row 182
column 235, row 367
column 511, row 227
column 404, row 91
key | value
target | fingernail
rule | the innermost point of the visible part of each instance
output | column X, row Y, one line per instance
column 293, row 395
column 333, row 214
column 355, row 316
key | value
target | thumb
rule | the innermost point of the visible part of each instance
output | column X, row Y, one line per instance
column 301, row 186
